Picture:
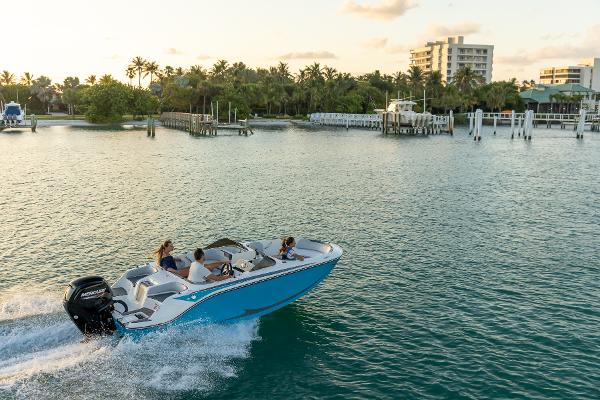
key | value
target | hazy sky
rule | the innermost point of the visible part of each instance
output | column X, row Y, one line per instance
column 66, row 37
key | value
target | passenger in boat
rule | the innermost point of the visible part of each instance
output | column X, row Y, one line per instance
column 286, row 251
column 199, row 271
column 167, row 261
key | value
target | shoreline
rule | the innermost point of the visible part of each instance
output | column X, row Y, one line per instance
column 143, row 123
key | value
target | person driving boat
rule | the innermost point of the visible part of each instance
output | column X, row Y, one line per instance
column 200, row 272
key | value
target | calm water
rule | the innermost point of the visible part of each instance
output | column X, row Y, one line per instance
column 471, row 270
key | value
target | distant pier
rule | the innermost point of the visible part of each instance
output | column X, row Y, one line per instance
column 523, row 123
column 590, row 120
column 202, row 124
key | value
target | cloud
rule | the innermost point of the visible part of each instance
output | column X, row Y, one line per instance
column 398, row 48
column 385, row 10
column 313, row 55
column 558, row 36
column 383, row 43
column 173, row 51
column 549, row 53
column 375, row 43
column 583, row 49
column 203, row 57
column 462, row 28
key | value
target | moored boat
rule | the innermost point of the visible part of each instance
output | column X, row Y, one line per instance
column 12, row 115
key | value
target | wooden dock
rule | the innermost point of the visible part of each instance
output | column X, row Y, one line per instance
column 202, row 124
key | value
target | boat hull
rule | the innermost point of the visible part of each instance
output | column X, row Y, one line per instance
column 246, row 298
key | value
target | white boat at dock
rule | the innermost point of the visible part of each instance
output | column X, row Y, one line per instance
column 15, row 117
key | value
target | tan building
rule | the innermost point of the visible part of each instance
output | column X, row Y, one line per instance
column 586, row 74
column 451, row 54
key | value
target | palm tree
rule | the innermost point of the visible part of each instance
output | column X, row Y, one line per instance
column 130, row 73
column 168, row 71
column 496, row 96
column 42, row 88
column 283, row 70
column 27, row 79
column 434, row 83
column 106, row 78
column 198, row 70
column 219, row 69
column 415, row 78
column 7, row 78
column 329, row 73
column 400, row 80
column 466, row 80
column 91, row 80
column 315, row 84
column 138, row 63
column 150, row 68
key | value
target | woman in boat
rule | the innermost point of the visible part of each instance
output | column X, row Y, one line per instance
column 167, row 261
column 200, row 272
column 286, row 251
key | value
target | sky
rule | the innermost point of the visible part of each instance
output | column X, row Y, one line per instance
column 62, row 38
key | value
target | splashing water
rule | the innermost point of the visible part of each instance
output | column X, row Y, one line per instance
column 43, row 355
column 25, row 301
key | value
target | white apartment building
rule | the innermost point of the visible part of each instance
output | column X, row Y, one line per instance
column 586, row 74
column 451, row 54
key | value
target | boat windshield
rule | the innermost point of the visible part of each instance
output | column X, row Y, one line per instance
column 12, row 110
column 225, row 242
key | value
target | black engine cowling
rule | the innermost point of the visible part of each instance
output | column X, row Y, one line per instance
column 89, row 303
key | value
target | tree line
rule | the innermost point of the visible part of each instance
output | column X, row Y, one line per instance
column 270, row 92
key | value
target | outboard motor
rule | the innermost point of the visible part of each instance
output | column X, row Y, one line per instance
column 89, row 303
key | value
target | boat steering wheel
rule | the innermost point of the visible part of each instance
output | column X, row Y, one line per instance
column 227, row 269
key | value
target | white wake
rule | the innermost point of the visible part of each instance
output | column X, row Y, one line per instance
column 43, row 355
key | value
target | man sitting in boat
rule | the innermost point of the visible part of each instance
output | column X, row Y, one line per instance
column 286, row 251
column 200, row 272
column 167, row 261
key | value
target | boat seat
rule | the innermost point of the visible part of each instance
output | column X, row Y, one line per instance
column 264, row 262
column 119, row 291
column 135, row 278
column 258, row 246
column 162, row 296
column 140, row 273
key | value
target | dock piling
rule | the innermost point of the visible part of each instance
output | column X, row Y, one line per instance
column 581, row 124
column 512, row 124
column 478, row 122
column 471, row 123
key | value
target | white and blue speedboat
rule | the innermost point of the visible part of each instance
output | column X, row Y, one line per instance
column 147, row 297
